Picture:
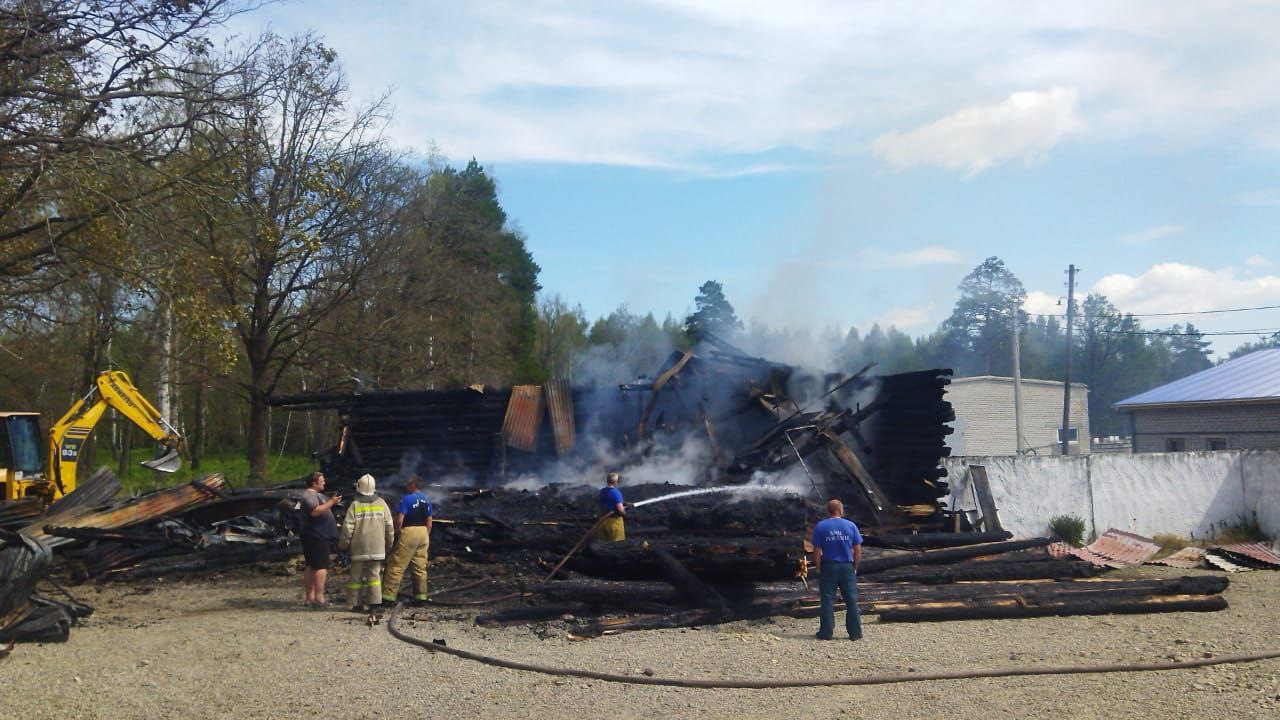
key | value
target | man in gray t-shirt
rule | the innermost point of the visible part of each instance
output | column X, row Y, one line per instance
column 319, row 531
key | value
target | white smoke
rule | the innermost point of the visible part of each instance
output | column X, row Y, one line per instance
column 684, row 465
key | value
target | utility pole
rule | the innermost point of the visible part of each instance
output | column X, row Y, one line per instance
column 1066, row 385
column 1017, row 379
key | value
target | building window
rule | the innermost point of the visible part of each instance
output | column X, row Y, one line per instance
column 1175, row 445
column 1073, row 435
column 1216, row 443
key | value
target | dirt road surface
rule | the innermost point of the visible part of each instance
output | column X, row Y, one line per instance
column 240, row 646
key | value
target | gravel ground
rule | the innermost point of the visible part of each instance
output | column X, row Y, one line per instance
column 240, row 646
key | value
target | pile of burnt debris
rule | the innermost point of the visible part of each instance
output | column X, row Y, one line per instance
column 875, row 441
column 700, row 558
column 726, row 542
column 92, row 535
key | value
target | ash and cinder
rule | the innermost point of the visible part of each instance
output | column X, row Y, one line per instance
column 710, row 417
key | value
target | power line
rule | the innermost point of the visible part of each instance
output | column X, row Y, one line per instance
column 1168, row 333
column 1206, row 312
column 1175, row 314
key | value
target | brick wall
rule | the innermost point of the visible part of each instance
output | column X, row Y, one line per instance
column 1247, row 426
column 985, row 423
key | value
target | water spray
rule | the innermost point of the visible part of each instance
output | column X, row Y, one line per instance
column 706, row 491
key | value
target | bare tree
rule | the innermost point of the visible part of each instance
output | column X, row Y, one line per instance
column 288, row 225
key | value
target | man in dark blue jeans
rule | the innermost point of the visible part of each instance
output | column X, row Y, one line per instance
column 837, row 551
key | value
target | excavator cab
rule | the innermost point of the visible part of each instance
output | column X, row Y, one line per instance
column 21, row 456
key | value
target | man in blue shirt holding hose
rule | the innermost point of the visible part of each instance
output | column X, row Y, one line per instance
column 610, row 501
column 837, row 551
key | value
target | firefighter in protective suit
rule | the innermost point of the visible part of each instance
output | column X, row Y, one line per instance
column 367, row 533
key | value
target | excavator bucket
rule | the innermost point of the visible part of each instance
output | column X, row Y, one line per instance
column 169, row 462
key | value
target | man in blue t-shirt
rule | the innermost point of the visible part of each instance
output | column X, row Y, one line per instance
column 837, row 551
column 413, row 539
column 610, row 500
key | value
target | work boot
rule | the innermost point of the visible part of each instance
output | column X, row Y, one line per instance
column 419, row 599
column 359, row 609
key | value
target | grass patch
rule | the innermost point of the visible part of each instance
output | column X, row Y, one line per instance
column 1068, row 528
column 235, row 468
column 1170, row 543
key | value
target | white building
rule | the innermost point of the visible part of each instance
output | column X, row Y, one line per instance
column 984, row 423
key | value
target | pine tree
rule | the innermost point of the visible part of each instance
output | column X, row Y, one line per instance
column 714, row 314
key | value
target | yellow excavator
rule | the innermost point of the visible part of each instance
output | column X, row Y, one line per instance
column 22, row 474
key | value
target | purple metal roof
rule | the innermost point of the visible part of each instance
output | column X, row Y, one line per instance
column 1255, row 376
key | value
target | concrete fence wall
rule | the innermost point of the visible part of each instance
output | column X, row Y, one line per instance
column 1192, row 494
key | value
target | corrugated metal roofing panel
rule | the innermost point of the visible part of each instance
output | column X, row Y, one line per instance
column 1222, row 563
column 560, row 406
column 1250, row 553
column 1255, row 376
column 1116, row 548
column 524, row 417
column 144, row 508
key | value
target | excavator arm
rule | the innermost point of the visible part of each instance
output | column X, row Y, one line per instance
column 112, row 389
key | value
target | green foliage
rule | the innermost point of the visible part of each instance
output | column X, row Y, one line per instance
column 1068, row 528
column 1264, row 343
column 890, row 349
column 560, row 334
column 712, row 314
column 979, row 329
column 233, row 466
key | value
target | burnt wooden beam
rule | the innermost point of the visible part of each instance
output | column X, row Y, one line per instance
column 936, row 557
column 1092, row 606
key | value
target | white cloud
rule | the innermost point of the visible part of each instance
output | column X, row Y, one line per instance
column 931, row 255
column 1257, row 261
column 1175, row 287
column 1181, row 288
column 1024, row 127
column 1042, row 303
column 698, row 85
column 907, row 317
column 1266, row 197
column 1152, row 234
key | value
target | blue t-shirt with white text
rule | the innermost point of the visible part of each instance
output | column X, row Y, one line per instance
column 836, row 537
column 610, row 498
column 416, row 508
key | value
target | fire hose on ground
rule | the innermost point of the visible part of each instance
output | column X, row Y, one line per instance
column 766, row 684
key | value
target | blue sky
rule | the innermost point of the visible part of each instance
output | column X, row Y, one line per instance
column 837, row 164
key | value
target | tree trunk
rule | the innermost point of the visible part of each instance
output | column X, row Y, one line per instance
column 259, row 420
column 126, row 433
column 197, row 433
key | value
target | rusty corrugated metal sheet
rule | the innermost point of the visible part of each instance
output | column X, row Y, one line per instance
column 1252, row 553
column 1060, row 551
column 143, row 508
column 560, row 405
column 524, row 417
column 1117, row 548
column 1186, row 558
